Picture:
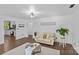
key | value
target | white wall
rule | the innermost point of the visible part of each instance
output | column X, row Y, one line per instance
column 30, row 26
column 60, row 20
column 75, row 20
column 21, row 32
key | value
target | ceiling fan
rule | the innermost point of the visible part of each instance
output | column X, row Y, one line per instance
column 72, row 5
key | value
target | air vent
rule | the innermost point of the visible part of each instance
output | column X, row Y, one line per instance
column 72, row 5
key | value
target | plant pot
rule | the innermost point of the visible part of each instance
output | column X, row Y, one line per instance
column 62, row 37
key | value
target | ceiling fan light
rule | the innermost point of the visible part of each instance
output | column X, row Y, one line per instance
column 32, row 12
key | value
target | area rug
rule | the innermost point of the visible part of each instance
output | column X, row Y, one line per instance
column 44, row 51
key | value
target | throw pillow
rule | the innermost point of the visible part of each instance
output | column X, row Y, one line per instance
column 44, row 36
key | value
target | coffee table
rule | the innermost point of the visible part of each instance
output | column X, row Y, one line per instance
column 32, row 48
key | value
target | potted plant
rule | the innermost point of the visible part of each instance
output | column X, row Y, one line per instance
column 62, row 31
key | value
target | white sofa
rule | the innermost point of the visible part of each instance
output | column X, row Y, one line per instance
column 45, row 37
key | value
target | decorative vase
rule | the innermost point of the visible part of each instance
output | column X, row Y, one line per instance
column 63, row 40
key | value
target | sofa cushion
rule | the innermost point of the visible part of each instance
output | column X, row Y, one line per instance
column 40, row 35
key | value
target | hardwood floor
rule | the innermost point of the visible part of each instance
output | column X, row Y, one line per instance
column 11, row 42
column 67, row 50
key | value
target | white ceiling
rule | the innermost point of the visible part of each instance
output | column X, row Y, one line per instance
column 46, row 10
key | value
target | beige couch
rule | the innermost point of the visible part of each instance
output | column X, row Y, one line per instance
column 45, row 37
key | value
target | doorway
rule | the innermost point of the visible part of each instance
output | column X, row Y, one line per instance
column 9, row 35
